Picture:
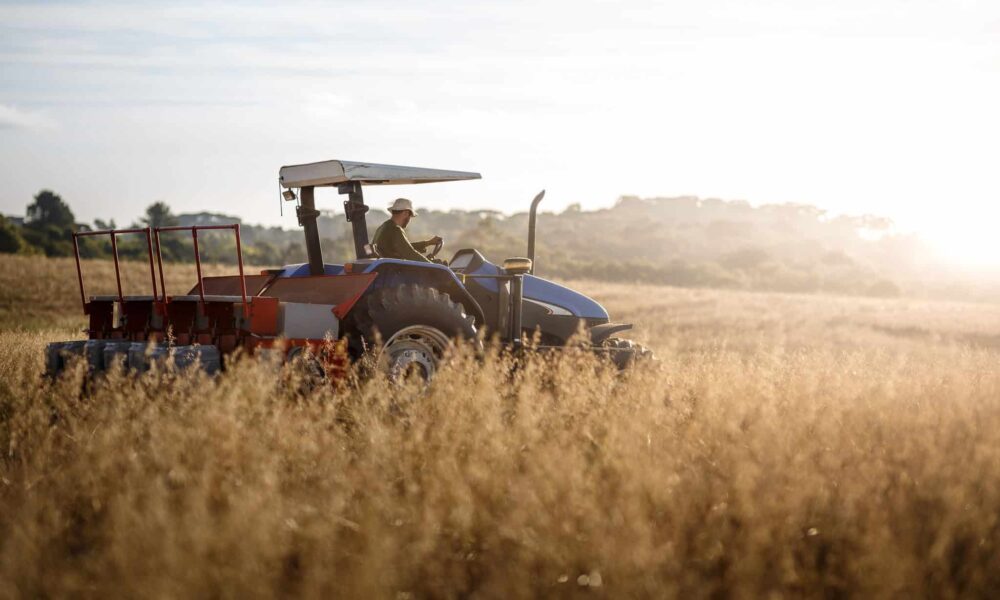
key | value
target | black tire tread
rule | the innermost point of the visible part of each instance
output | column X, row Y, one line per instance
column 389, row 309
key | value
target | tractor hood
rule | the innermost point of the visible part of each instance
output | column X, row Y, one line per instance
column 561, row 301
column 552, row 298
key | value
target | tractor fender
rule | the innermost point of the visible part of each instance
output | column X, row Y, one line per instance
column 394, row 272
column 599, row 333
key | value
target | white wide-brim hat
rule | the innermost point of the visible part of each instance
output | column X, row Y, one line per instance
column 402, row 204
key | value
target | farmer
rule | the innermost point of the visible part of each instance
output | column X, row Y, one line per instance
column 391, row 240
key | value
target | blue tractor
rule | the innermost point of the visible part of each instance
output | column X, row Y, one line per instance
column 417, row 308
column 407, row 312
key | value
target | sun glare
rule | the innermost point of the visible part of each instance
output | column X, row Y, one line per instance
column 972, row 244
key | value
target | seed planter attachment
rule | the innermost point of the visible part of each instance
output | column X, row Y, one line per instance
column 153, row 235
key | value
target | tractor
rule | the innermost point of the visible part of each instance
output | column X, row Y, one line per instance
column 407, row 312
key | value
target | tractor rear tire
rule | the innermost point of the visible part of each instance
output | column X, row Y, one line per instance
column 416, row 325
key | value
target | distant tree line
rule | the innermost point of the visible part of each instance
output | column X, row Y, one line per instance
column 48, row 227
column 686, row 241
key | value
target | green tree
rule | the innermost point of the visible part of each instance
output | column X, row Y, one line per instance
column 174, row 246
column 158, row 215
column 50, row 239
column 49, row 224
column 11, row 241
column 48, row 209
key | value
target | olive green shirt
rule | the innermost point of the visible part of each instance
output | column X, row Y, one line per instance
column 392, row 243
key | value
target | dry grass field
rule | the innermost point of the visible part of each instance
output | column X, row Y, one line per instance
column 783, row 446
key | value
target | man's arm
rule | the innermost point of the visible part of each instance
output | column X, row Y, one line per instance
column 422, row 246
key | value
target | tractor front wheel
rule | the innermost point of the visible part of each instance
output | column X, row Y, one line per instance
column 625, row 353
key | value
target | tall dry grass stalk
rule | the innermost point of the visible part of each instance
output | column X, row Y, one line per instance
column 815, row 472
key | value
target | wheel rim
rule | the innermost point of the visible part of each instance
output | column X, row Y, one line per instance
column 417, row 348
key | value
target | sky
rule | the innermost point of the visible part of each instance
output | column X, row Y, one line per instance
column 883, row 107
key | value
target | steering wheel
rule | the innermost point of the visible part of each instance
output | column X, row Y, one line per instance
column 434, row 251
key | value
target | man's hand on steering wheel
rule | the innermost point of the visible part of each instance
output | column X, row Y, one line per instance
column 438, row 243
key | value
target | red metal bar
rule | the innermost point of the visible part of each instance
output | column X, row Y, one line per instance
column 152, row 270
column 79, row 273
column 159, row 262
column 118, row 274
column 198, row 227
column 243, row 281
column 197, row 265
column 108, row 232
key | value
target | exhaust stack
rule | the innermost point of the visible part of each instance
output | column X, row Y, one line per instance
column 532, row 217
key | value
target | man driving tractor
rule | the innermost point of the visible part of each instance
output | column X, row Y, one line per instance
column 391, row 240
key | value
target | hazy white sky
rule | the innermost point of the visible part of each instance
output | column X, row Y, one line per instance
column 877, row 106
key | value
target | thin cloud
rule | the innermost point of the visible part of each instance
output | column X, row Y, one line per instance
column 12, row 117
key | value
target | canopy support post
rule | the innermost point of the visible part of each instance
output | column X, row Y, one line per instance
column 354, row 210
column 307, row 214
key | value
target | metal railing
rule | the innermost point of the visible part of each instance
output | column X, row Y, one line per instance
column 113, row 234
column 194, row 229
column 153, row 234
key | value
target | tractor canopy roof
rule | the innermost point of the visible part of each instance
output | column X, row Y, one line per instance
column 336, row 172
